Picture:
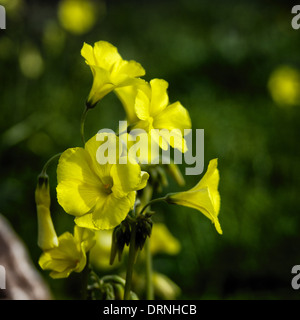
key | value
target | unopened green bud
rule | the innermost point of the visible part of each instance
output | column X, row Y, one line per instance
column 120, row 237
column 143, row 230
column 42, row 193
column 47, row 238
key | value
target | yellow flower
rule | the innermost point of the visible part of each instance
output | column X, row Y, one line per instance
column 164, row 287
column 77, row 16
column 204, row 196
column 100, row 254
column 109, row 70
column 70, row 255
column 98, row 195
column 47, row 237
column 127, row 96
column 284, row 86
column 153, row 111
column 162, row 241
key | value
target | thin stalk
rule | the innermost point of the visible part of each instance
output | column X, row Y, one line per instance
column 146, row 197
column 152, row 202
column 49, row 161
column 83, row 117
column 131, row 261
column 113, row 278
column 149, row 283
column 85, row 278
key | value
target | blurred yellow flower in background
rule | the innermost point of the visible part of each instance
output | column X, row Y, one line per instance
column 162, row 241
column 100, row 253
column 77, row 16
column 31, row 61
column 284, row 86
column 164, row 287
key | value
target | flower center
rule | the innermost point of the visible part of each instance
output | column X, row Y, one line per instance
column 108, row 187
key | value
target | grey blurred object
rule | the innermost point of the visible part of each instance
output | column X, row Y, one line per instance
column 19, row 280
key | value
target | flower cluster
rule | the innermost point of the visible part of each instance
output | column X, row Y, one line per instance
column 117, row 195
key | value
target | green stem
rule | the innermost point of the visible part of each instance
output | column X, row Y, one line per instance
column 152, row 202
column 49, row 161
column 146, row 197
column 113, row 278
column 83, row 117
column 149, row 283
column 131, row 261
column 85, row 278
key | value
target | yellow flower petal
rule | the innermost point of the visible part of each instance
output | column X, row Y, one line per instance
column 78, row 186
column 142, row 104
column 47, row 237
column 92, row 146
column 87, row 52
column 109, row 70
column 113, row 211
column 70, row 255
column 211, row 180
column 204, row 196
column 175, row 116
column 127, row 97
column 102, row 85
column 159, row 97
column 86, row 221
column 128, row 177
column 106, row 55
column 84, row 237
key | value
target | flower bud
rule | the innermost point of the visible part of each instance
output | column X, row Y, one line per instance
column 42, row 193
column 47, row 238
column 120, row 237
column 143, row 230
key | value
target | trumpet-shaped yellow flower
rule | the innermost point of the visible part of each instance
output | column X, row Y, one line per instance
column 150, row 102
column 70, row 255
column 98, row 195
column 204, row 196
column 47, row 237
column 109, row 70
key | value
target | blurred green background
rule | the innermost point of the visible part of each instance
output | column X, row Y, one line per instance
column 233, row 64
